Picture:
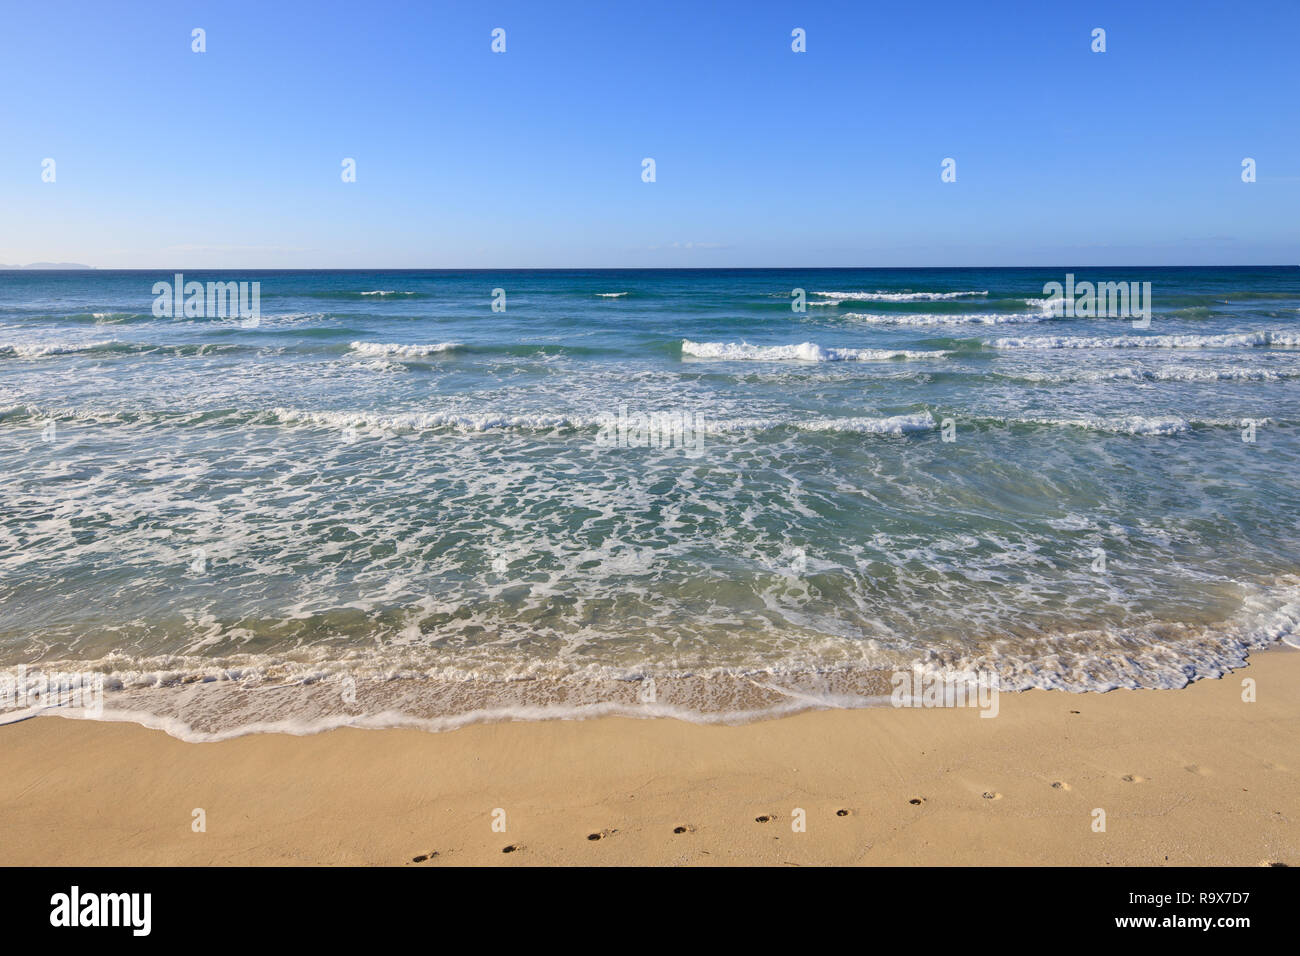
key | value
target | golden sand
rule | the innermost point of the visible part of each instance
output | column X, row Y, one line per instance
column 1190, row 776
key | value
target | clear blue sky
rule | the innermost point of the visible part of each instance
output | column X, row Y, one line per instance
column 765, row 157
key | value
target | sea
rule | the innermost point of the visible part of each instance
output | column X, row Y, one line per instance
column 429, row 498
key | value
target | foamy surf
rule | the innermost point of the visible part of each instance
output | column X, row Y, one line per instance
column 1127, row 424
column 201, row 700
column 372, row 424
column 879, row 296
column 30, row 350
column 803, row 352
column 369, row 423
column 403, row 351
column 1227, row 341
column 956, row 318
column 759, row 509
column 1181, row 373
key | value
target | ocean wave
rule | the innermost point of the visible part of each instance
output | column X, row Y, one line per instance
column 693, row 419
column 36, row 350
column 1121, row 424
column 879, row 296
column 890, row 425
column 378, row 423
column 425, row 421
column 29, row 350
column 88, row 318
column 1152, row 425
column 857, row 425
column 1179, row 373
column 350, row 294
column 803, row 352
column 204, row 699
column 956, row 318
column 116, row 318
column 402, row 351
column 610, row 295
column 481, row 422
column 1230, row 340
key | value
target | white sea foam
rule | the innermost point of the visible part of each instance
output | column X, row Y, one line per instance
column 803, row 352
column 1172, row 373
column 403, row 351
column 196, row 699
column 114, row 318
column 373, row 423
column 378, row 424
column 1231, row 340
column 1123, row 424
column 40, row 349
column 897, row 296
column 979, row 318
column 335, row 546
column 861, row 425
column 388, row 292
column 425, row 421
column 891, row 425
column 610, row 295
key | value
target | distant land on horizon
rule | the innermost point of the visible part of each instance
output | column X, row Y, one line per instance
column 47, row 265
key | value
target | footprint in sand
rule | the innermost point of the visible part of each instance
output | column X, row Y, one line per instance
column 763, row 818
column 1133, row 778
column 684, row 829
column 992, row 795
column 1061, row 785
column 424, row 856
column 1197, row 769
column 842, row 813
column 511, row 848
column 916, row 801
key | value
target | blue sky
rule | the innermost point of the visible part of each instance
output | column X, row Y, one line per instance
column 765, row 157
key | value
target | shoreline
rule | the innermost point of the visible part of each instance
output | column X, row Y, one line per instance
column 1185, row 777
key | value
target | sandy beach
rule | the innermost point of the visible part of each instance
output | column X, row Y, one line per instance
column 1184, row 777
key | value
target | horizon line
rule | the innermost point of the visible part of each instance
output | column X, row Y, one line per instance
column 81, row 268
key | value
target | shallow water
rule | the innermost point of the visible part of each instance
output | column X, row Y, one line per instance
column 640, row 474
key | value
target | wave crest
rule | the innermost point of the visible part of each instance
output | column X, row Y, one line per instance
column 803, row 352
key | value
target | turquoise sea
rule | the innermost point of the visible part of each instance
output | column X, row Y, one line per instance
column 385, row 502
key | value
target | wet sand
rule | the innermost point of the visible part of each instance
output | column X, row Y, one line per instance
column 1190, row 776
